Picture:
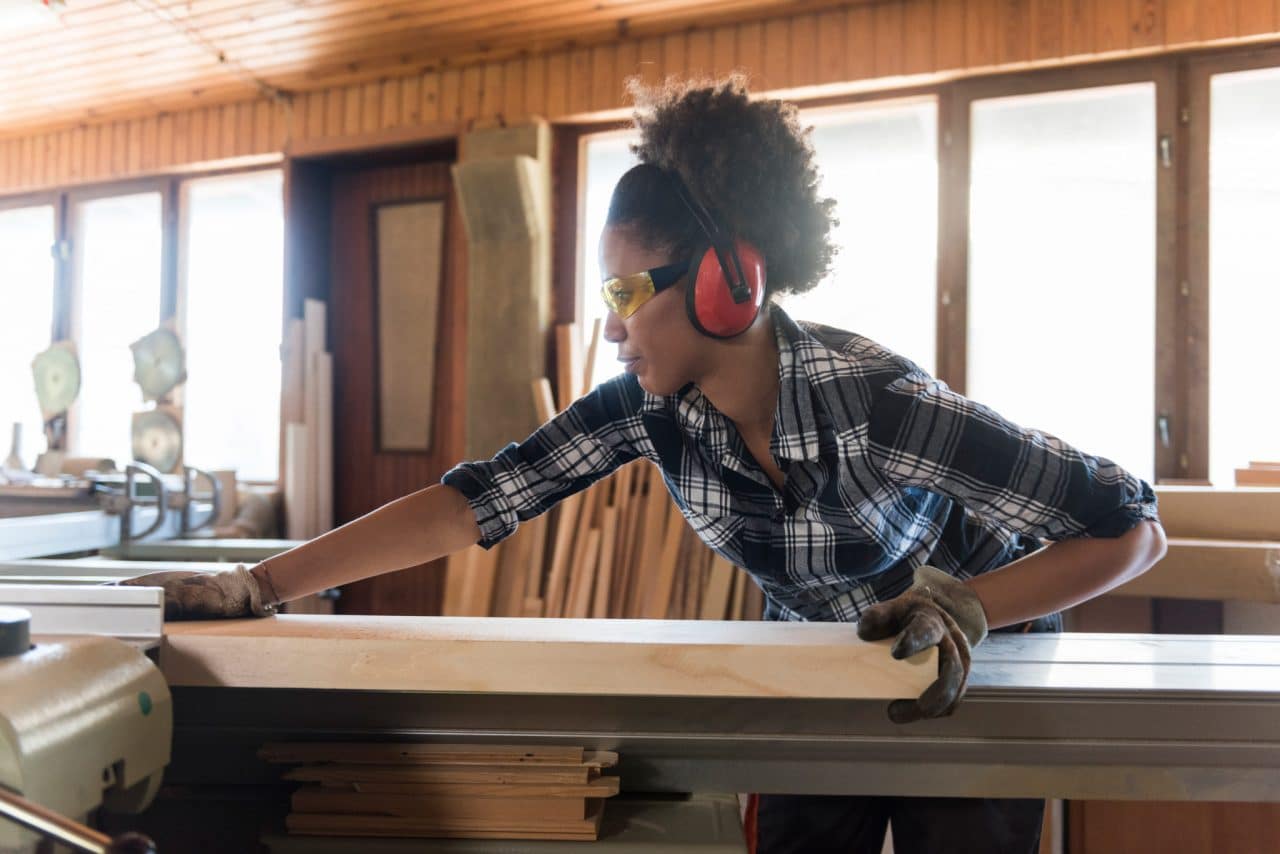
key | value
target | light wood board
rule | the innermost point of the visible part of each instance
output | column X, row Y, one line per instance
column 609, row 657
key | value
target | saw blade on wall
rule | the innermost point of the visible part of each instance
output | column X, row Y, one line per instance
column 157, row 439
column 159, row 363
column 57, row 376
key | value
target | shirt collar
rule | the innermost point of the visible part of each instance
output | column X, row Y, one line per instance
column 801, row 416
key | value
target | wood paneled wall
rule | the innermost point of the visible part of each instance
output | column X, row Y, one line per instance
column 824, row 52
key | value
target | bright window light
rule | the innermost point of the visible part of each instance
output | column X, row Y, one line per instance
column 234, row 275
column 26, row 294
column 1062, row 278
column 118, row 263
column 1244, row 271
column 880, row 163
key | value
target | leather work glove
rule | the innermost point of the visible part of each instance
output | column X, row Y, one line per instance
column 940, row 611
column 227, row 594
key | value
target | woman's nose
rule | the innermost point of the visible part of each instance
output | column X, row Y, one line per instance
column 615, row 332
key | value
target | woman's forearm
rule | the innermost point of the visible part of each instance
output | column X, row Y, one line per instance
column 412, row 530
column 1065, row 574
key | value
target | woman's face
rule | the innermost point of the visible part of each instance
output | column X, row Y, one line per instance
column 658, row 343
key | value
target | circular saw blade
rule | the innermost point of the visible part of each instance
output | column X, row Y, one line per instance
column 158, row 363
column 57, row 376
column 157, row 439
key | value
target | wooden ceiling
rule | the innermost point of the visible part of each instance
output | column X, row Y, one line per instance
column 110, row 57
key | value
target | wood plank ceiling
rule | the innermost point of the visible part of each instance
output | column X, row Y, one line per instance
column 105, row 58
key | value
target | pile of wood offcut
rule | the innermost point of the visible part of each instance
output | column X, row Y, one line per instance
column 619, row 549
column 458, row 791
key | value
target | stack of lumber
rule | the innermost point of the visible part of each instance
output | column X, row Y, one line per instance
column 459, row 791
column 1224, row 544
column 1259, row 474
column 307, row 426
column 307, row 404
column 620, row 549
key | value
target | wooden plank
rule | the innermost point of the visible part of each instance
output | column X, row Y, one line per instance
column 1111, row 26
column 584, row 574
column 949, row 36
column 1181, row 25
column 860, row 38
column 982, row 25
column 831, row 46
column 1224, row 514
column 918, row 49
column 1255, row 17
column 658, row 595
column 1217, row 19
column 561, row 554
column 1014, row 36
column 477, row 597
column 1046, row 29
column 601, row 787
column 803, row 50
column 324, row 801
column 724, row 50
column 605, row 564
column 457, row 568
column 389, row 109
column 472, row 92
column 715, row 600
column 775, row 64
column 556, row 97
column 483, row 828
column 578, row 99
column 1257, row 477
column 890, row 39
column 429, row 103
column 564, row 657
column 1212, row 570
column 1146, row 23
column 751, row 49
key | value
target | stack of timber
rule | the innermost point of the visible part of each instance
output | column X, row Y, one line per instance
column 307, row 425
column 619, row 549
column 459, row 791
column 1259, row 474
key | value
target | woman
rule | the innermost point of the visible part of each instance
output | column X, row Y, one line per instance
column 848, row 482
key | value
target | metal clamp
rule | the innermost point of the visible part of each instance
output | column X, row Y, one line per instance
column 132, row 500
column 55, row 826
column 190, row 496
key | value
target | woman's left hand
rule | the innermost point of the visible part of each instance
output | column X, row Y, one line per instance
column 940, row 611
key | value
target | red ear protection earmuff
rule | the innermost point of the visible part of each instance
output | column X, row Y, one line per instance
column 726, row 287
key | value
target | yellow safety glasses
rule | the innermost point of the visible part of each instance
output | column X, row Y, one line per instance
column 625, row 294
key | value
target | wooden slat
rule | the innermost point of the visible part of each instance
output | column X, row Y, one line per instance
column 378, row 753
column 1212, row 570
column 1222, row 514
column 860, row 29
column 600, row 657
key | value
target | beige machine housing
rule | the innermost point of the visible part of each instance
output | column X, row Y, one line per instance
column 84, row 722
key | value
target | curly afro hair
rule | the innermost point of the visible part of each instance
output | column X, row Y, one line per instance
column 748, row 162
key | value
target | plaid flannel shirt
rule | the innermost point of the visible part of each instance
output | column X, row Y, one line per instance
column 886, row 469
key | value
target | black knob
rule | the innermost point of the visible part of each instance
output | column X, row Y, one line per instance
column 15, row 631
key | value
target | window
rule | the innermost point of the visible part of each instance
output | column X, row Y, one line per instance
column 232, row 320
column 1244, row 271
column 118, row 261
column 880, row 163
column 1062, row 266
column 26, row 294
column 224, row 295
column 607, row 157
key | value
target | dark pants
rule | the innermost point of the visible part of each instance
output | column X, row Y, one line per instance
column 842, row 824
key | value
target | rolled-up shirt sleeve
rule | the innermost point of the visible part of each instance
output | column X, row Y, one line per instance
column 573, row 450
column 921, row 433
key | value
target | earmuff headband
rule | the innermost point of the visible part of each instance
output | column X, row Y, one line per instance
column 720, row 243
